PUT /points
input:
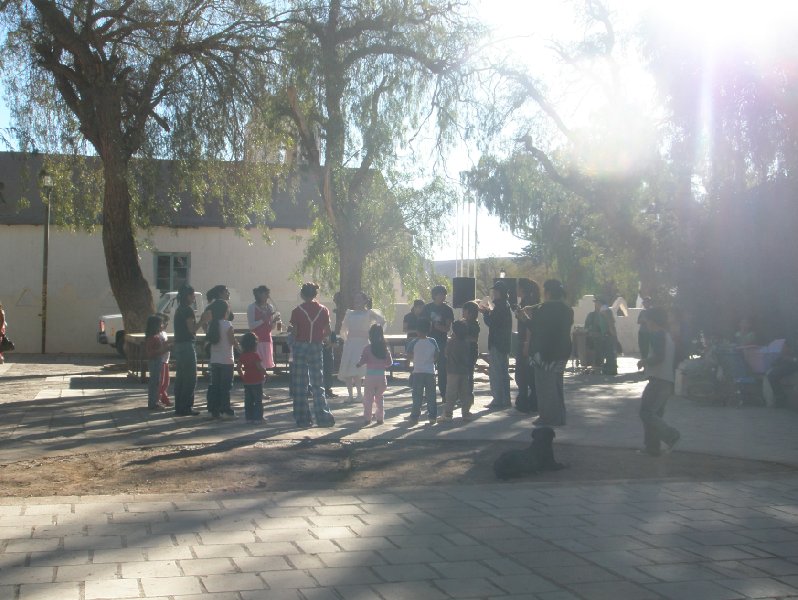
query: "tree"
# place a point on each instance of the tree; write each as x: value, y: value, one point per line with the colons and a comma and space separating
x: 362, y: 79
x: 136, y: 81
x: 576, y: 173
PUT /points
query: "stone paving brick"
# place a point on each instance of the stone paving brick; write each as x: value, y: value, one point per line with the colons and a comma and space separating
x: 357, y: 592
x: 759, y: 587
x: 150, y: 507
x: 269, y: 595
x: 473, y: 552
x: 256, y: 564
x: 405, y: 572
x: 506, y: 566
x: 169, y: 552
x: 283, y: 535
x: 59, y: 557
x: 467, y: 588
x: 333, y: 533
x: 151, y: 568
x: 335, y: 521
x: 522, y: 584
x: 319, y: 594
x: 773, y: 566
x: 92, y: 542
x: 111, y: 588
x: 734, y: 569
x: 231, y: 582
x: 315, y: 546
x: 680, y: 572
x: 170, y: 586
x: 33, y: 545
x: 261, y: 549
x: 402, y: 556
x: 47, y: 509
x: 305, y: 561
x: 557, y: 558
x: 409, y: 590
x: 461, y: 570
x: 29, y: 575
x: 705, y: 590
x: 227, y: 537
x: 339, y: 509
x: 350, y: 559
x: 288, y: 579
x: 366, y: 543
x: 614, y: 590
x: 40, y: 591
x: 207, y: 566
x: 86, y: 572
x: 576, y: 574
x: 331, y: 577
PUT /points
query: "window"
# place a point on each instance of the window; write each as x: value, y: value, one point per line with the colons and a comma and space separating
x: 172, y: 270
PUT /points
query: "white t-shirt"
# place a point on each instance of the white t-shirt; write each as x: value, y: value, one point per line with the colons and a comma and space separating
x: 222, y: 351
x: 423, y: 350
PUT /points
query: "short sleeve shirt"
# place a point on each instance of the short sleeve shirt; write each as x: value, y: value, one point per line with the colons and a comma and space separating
x: 439, y: 313
x: 249, y: 365
x: 423, y: 350
x: 182, y: 332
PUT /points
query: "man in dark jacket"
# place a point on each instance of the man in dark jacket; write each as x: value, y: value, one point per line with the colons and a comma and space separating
x: 499, y: 320
x: 527, y: 399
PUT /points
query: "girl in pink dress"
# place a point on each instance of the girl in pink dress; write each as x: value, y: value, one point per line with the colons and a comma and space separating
x: 261, y: 319
x: 376, y: 358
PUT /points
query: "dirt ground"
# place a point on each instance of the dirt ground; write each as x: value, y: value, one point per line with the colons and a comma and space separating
x: 343, y: 465
x: 282, y: 466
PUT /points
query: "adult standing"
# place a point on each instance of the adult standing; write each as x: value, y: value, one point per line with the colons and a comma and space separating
x: 527, y: 399
x: 550, y: 348
x: 499, y: 320
x: 261, y: 319
x: 610, y: 341
x: 310, y: 324
x: 186, y: 326
x: 355, y: 331
x: 441, y: 317
x: 643, y: 335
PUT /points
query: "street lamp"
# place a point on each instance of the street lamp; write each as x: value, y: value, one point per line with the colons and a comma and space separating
x: 46, y: 186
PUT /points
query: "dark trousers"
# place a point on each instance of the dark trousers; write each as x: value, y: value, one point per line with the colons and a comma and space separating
x: 219, y: 389
x: 424, y: 389
x: 185, y: 376
x: 327, y: 365
x: 644, y: 343
x: 652, y: 410
x: 441, y: 366
x: 527, y: 400
x: 253, y: 401
x: 610, y: 356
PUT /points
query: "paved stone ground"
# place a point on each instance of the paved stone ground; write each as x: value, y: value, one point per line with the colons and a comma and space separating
x: 625, y: 540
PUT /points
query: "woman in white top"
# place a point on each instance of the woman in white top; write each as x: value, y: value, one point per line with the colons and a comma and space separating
x: 221, y: 337
x: 355, y: 331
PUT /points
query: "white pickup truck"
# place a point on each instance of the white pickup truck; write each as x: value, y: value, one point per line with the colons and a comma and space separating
x: 112, y: 330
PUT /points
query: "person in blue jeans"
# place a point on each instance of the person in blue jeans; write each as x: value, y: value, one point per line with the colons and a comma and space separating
x: 423, y: 351
x: 186, y: 326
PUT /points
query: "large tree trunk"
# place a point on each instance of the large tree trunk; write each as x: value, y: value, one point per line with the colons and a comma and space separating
x: 128, y: 285
x: 350, y: 276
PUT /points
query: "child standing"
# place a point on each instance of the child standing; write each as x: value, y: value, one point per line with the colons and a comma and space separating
x: 253, y: 373
x: 156, y: 348
x: 222, y: 341
x: 376, y: 357
x: 423, y: 351
x: 460, y: 366
x: 660, y: 370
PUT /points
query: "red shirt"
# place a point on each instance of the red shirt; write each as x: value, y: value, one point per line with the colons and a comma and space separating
x: 249, y: 362
x: 310, y: 317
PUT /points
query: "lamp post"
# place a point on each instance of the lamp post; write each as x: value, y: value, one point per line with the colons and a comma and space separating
x: 46, y: 186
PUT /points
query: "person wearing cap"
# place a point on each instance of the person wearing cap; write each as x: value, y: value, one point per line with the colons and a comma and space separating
x: 499, y: 320
x: 441, y: 317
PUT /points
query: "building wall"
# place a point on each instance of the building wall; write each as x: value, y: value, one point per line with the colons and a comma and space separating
x: 78, y: 288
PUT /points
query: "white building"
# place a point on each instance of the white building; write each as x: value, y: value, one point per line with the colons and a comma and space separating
x: 199, y: 249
